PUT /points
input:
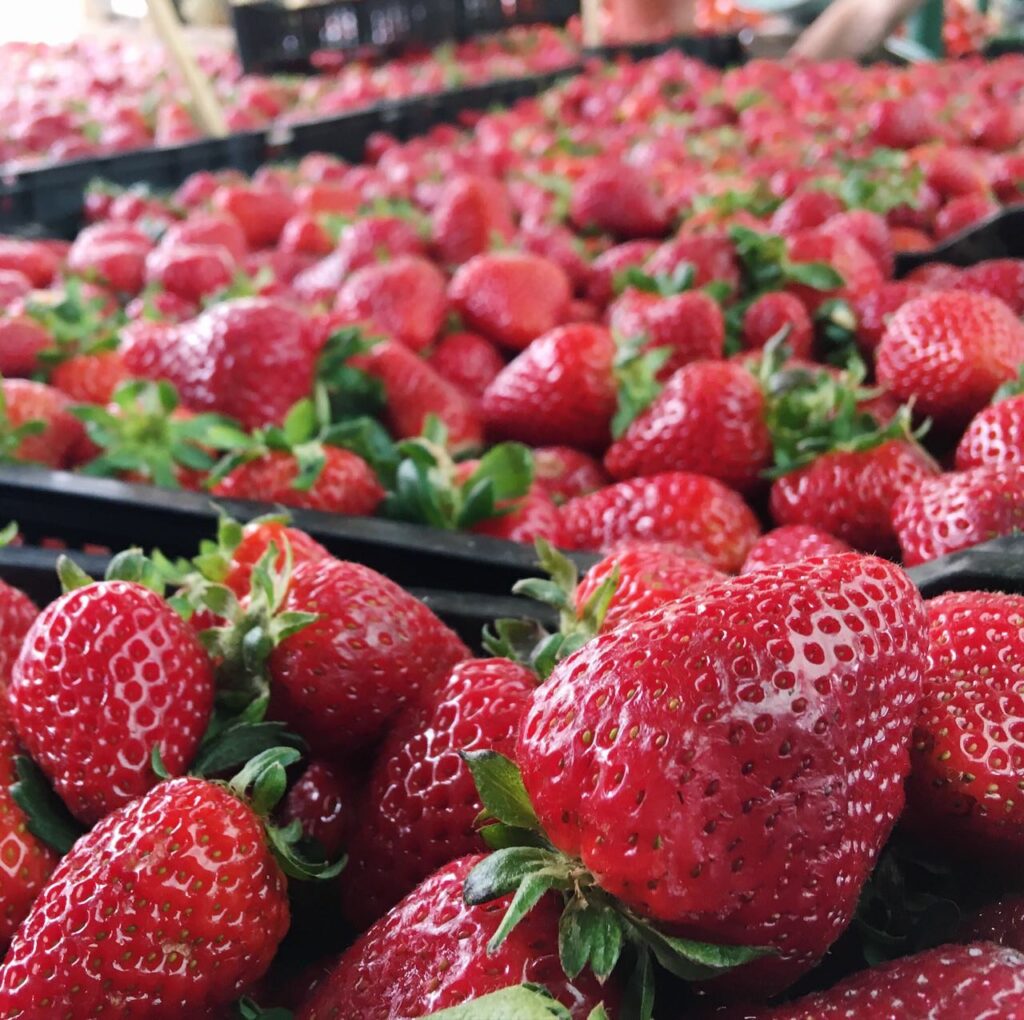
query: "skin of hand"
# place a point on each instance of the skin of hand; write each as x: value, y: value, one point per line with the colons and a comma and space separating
x: 851, y: 28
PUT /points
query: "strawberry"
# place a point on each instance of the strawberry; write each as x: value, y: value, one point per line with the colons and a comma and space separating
x: 611, y: 264
x: 949, y: 351
x: 938, y: 516
x: 1001, y: 922
x: 936, y: 276
x: 510, y: 297
x: 712, y: 256
x: 415, y: 391
x: 403, y: 298
x: 909, y: 239
x: 952, y: 172
x: 28, y: 861
x: 962, y: 212
x: 975, y: 980
x: 618, y: 199
x: 688, y: 325
x: 420, y: 803
x: 430, y: 952
x: 559, y: 391
x: 791, y: 543
x: 875, y: 308
x: 850, y: 493
x: 191, y: 271
x: 261, y: 212
x: 36, y: 424
x: 13, y: 285
x: 856, y: 268
x: 1002, y: 278
x: 111, y: 254
x: 206, y: 230
x: 467, y: 361
x: 305, y: 234
x: 241, y: 549
x: 90, y: 378
x: 248, y: 358
x: 709, y: 419
x: 804, y: 210
x: 679, y: 721
x: 322, y: 801
x: 870, y: 231
x: 775, y: 311
x: 534, y: 516
x: 373, y: 648
x: 32, y: 258
x: 564, y: 472
x: 470, y: 215
x: 22, y: 340
x: 172, y: 906
x: 107, y: 673
x: 902, y: 123
x: 647, y: 575
x: 698, y: 513
x: 995, y: 435
x: 965, y: 764
x: 561, y: 246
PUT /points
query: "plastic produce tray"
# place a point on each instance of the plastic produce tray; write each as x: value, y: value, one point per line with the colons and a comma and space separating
x: 716, y: 50
x: 1000, y: 236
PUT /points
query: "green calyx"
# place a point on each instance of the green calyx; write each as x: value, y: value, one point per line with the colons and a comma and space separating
x: 523, y: 1002
x: 249, y: 1010
x: 529, y: 642
x: 141, y: 435
x: 636, y: 371
x: 663, y: 285
x: 595, y: 928
x: 766, y: 265
x: 351, y: 391
x: 810, y: 411
x: 261, y: 783
x: 128, y: 565
x: 424, y: 485
x: 46, y: 815
x: 1014, y: 388
x: 78, y: 325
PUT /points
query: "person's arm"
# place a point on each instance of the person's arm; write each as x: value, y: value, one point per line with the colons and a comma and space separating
x: 852, y: 28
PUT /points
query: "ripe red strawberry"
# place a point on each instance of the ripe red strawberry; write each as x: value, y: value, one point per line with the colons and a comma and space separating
x: 245, y: 550
x: 856, y: 267
x: 1002, y: 278
x: 111, y: 254
x: 535, y: 516
x: 949, y: 351
x: 804, y: 210
x: 611, y: 264
x: 14, y: 285
x: 870, y: 231
x: 404, y: 298
x: 791, y: 543
x: 27, y: 860
x: 21, y: 341
x: 713, y: 257
x: 565, y: 472
x: 952, y: 172
x: 108, y: 672
x: 36, y: 424
x: 966, y: 764
x: 430, y: 952
x: 649, y: 575
x: 1001, y: 922
x: 323, y: 802
x: 511, y: 297
x: 248, y: 358
x: 261, y: 212
x: 874, y: 308
x: 208, y: 229
x: 995, y: 436
x: 172, y: 906
x: 618, y: 199
x: 962, y: 212
x: 467, y: 361
x: 373, y: 648
x: 559, y: 391
x: 414, y: 391
x: 698, y: 513
x: 901, y: 123
x: 910, y: 239
x: 32, y: 258
x: 696, y: 828
x: 559, y: 244
x: 850, y: 493
x: 689, y: 325
x: 190, y: 271
x: 936, y: 276
x: 421, y: 804
x: 772, y: 312
x: 17, y: 614
x: 471, y: 213
x: 345, y: 483
x: 709, y: 420
x: 90, y: 378
x: 305, y: 234
x: 937, y: 516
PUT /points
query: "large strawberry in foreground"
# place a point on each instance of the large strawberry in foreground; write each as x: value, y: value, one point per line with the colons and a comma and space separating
x: 718, y: 764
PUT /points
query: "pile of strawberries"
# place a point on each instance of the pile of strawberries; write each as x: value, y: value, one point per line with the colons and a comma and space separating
x: 267, y: 780
x: 556, y: 326
x: 105, y: 95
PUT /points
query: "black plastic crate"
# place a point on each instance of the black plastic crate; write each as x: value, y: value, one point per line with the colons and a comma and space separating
x: 999, y: 236
x: 97, y: 511
x: 272, y: 37
x: 714, y: 50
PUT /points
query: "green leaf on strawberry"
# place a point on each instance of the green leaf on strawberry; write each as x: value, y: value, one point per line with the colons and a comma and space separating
x: 1014, y: 388
x: 636, y: 376
x: 524, y: 1002
x: 46, y: 814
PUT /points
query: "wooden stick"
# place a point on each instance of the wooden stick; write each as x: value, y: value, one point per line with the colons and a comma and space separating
x: 208, y: 109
